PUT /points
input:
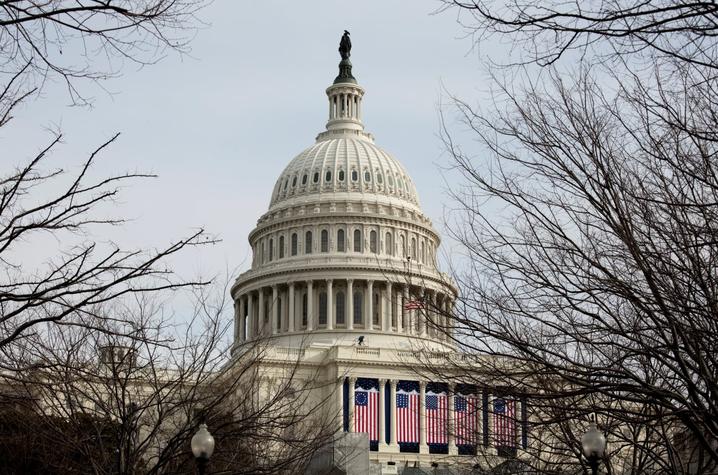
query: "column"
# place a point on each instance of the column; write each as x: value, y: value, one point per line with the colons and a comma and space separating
x: 392, y: 405
x: 352, y: 400
x: 397, y: 310
x: 436, y: 328
x: 423, y: 447
x: 276, y: 322
x: 260, y: 315
x: 423, y: 313
x: 310, y: 305
x: 407, y: 323
x: 330, y: 305
x: 350, y: 304
x: 250, y: 316
x: 452, y: 422
x: 242, y: 313
x: 382, y: 412
x: 290, y: 307
x: 385, y: 318
x: 370, y: 306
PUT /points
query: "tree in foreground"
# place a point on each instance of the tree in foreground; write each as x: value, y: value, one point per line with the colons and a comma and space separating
x: 588, y: 221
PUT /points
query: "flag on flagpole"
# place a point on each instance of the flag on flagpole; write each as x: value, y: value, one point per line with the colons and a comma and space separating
x: 366, y: 412
x: 407, y: 412
x: 466, y: 407
x: 505, y: 422
x: 414, y: 304
x: 437, y: 417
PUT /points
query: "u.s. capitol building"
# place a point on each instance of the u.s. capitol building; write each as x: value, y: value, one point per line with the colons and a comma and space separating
x: 344, y: 279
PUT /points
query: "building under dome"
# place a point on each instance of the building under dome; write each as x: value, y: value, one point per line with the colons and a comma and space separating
x: 344, y: 277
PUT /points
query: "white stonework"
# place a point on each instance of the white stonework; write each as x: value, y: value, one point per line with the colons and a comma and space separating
x: 342, y: 248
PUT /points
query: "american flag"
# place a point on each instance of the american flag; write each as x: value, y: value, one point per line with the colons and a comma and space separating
x: 466, y: 419
x: 415, y: 304
x: 366, y: 412
x: 505, y: 422
x: 407, y: 415
x: 437, y: 417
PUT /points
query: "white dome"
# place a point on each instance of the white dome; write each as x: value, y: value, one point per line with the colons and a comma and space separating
x: 350, y: 166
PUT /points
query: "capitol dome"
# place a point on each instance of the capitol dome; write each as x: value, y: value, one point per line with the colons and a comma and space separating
x: 344, y: 250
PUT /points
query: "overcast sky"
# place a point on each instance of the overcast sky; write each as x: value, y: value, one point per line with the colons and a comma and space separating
x: 218, y: 127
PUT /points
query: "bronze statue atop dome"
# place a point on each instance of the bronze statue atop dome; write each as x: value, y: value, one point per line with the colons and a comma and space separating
x: 345, y: 46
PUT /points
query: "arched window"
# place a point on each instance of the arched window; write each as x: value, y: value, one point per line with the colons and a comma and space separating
x: 316, y: 177
x: 271, y: 250
x: 328, y: 176
x: 413, y: 249
x: 304, y: 309
x: 402, y: 245
x: 355, y: 175
x: 423, y: 252
x: 379, y: 178
x: 357, y: 240
x: 308, y: 243
x: 387, y: 245
x: 294, y: 244
x: 281, y: 247
x: 341, y: 247
x: 358, y: 304
x: 322, y: 308
x: 294, y: 181
x: 286, y: 182
x: 261, y: 253
x: 324, y: 237
x: 339, y: 312
x: 372, y: 241
x: 341, y: 175
x: 367, y: 176
x: 304, y: 179
x: 390, y: 180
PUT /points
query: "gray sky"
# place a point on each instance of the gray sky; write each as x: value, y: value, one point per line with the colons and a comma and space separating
x: 219, y: 127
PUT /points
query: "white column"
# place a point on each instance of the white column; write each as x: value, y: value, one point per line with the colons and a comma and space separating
x: 250, y: 316
x: 352, y: 387
x: 330, y: 305
x: 290, y: 307
x: 423, y: 447
x: 242, y: 313
x: 260, y: 314
x: 382, y: 412
x: 385, y: 317
x: 310, y: 305
x: 350, y: 304
x: 452, y: 422
x: 423, y: 314
x: 370, y: 306
x: 407, y: 323
x: 398, y: 309
x: 275, y: 322
x: 392, y: 405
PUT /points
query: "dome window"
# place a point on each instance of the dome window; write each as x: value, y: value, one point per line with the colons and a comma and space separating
x: 339, y: 312
x: 355, y: 175
x: 341, y: 175
x: 379, y: 178
x: 372, y: 242
x: 341, y: 247
x: 367, y: 176
x: 286, y: 182
x: 322, y: 308
x: 271, y: 250
x: 328, y: 176
x: 316, y: 177
x: 387, y: 245
x: 358, y: 299
x: 390, y: 180
x: 304, y: 179
x: 294, y: 244
x: 357, y: 240
x: 308, y: 243
x: 324, y: 240
x: 281, y: 247
x: 294, y: 181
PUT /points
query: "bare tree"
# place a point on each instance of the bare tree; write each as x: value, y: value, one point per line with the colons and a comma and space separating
x: 130, y: 404
x: 588, y: 222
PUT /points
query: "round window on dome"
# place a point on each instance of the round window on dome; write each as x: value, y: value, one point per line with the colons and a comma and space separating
x: 367, y: 176
x: 355, y: 175
x: 328, y: 176
x: 340, y: 175
x: 316, y: 177
x: 304, y: 179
